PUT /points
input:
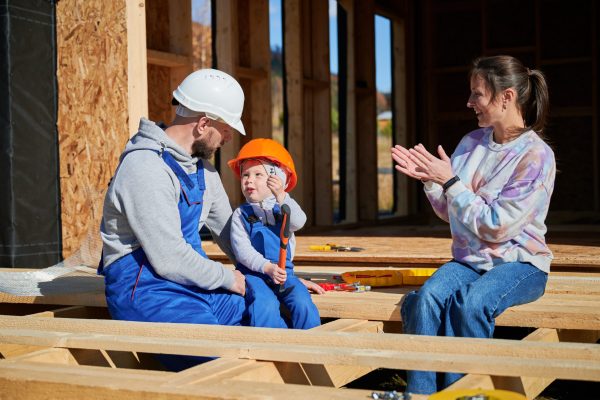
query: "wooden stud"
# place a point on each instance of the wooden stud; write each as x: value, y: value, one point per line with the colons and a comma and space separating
x: 321, y: 112
x: 352, y: 140
x: 137, y: 77
x: 401, y: 133
x: 365, y: 102
x: 227, y: 61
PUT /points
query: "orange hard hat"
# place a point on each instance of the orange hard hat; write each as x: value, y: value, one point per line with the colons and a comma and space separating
x: 270, y: 150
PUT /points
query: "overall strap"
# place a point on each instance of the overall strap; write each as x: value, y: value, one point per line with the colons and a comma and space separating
x: 182, y: 175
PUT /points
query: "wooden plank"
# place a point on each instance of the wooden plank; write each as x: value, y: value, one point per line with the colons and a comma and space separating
x: 259, y: 110
x: 227, y: 50
x: 137, y: 78
x: 252, y: 73
x: 490, y: 356
x: 364, y: 25
x: 544, y: 313
x: 401, y: 133
x: 223, y: 369
x: 166, y: 59
x: 294, y: 75
x: 180, y: 41
x: 418, y: 250
x: 35, y: 381
x: 352, y: 142
x: 529, y: 387
x: 321, y: 112
x: 339, y: 375
x: 569, y: 302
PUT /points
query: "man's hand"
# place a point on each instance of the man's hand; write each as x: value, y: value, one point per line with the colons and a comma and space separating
x: 276, y: 274
x: 276, y: 185
x: 239, y: 285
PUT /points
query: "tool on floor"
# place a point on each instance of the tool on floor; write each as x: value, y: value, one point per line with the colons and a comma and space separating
x: 344, y: 287
x: 284, y: 237
x: 389, y: 277
x: 393, y: 395
x: 476, y: 394
x: 334, y: 247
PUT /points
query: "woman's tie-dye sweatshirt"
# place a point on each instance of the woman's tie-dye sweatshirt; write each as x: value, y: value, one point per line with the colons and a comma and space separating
x: 497, y: 210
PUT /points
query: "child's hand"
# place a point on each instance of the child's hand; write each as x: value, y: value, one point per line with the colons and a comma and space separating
x: 277, y: 274
x: 276, y: 185
x: 312, y: 287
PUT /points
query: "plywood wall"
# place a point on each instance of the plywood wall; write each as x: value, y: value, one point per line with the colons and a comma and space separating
x: 92, y: 108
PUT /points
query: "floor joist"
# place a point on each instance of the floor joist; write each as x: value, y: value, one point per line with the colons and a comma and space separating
x: 483, y: 356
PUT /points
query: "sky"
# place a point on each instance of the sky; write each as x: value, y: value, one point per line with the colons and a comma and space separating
x: 383, y: 61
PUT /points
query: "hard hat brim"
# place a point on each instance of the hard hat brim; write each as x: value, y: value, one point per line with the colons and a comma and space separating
x: 238, y: 126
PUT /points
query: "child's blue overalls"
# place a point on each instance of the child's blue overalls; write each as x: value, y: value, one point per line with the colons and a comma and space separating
x: 262, y: 295
x: 134, y: 291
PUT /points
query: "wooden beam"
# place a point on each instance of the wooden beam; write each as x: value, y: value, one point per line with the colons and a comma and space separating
x: 137, y: 74
x: 227, y: 50
x: 166, y: 59
x: 180, y: 41
x: 223, y: 369
x: 400, y: 104
x: 321, y: 112
x: 252, y: 73
x: 364, y: 23
x: 306, y: 374
x: 294, y: 77
x: 352, y: 141
x: 339, y: 375
x: 489, y: 356
x: 259, y: 49
x: 31, y: 381
x: 529, y: 387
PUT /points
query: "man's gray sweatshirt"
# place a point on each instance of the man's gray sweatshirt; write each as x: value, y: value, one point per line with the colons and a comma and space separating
x: 140, y: 210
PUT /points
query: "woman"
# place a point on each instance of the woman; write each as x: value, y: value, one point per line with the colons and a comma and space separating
x: 495, y: 192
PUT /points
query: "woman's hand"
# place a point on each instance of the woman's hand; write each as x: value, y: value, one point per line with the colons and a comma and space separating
x: 404, y: 162
x: 277, y: 275
x: 428, y: 167
x: 276, y: 185
x: 313, y: 287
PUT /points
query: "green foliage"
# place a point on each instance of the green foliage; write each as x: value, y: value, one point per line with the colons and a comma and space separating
x: 386, y: 130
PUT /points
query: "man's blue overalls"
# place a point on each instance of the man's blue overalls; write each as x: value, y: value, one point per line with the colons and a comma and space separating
x: 263, y: 298
x: 134, y: 291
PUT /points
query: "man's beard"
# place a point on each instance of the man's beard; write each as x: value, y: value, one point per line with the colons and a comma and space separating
x: 202, y: 150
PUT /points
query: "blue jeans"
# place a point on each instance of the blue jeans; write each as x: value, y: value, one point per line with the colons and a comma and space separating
x: 460, y: 301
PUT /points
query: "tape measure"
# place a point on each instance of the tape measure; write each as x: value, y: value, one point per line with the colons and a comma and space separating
x: 387, y: 277
x: 477, y: 394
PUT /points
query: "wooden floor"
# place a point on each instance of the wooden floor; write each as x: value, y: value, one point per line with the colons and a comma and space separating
x: 65, y: 343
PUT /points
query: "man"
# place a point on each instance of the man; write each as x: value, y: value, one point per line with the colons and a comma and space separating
x: 162, y: 193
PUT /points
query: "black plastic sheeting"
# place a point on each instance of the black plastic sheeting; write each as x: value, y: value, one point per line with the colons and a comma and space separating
x: 30, y: 229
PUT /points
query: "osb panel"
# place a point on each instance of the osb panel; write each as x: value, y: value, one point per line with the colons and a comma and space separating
x: 159, y: 94
x: 92, y: 109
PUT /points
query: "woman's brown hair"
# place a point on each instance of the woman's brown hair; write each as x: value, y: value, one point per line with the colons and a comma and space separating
x: 503, y: 72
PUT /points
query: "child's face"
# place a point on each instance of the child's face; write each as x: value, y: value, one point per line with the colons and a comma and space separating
x: 254, y: 181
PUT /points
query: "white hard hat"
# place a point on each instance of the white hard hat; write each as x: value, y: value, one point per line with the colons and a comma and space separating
x: 215, y: 93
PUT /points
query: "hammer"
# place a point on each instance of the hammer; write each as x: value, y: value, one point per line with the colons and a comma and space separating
x: 284, y: 237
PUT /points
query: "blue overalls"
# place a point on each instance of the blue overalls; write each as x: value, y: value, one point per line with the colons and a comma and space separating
x: 262, y: 295
x: 134, y: 292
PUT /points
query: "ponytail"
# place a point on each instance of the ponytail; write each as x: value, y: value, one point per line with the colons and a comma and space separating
x: 535, y: 111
